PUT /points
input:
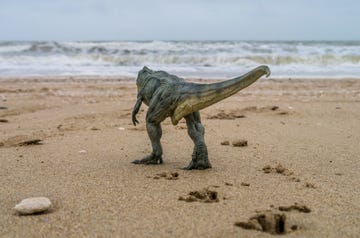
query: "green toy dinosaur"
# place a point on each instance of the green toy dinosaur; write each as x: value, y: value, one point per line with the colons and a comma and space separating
x: 170, y: 96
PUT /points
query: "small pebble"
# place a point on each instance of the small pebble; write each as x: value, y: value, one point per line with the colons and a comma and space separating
x: 33, y: 205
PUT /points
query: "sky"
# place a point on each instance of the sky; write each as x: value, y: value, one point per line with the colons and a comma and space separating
x: 65, y: 20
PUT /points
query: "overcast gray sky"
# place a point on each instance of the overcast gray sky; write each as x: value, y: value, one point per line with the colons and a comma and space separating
x: 180, y: 20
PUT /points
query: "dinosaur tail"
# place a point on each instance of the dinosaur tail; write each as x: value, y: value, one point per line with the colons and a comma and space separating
x: 195, y: 97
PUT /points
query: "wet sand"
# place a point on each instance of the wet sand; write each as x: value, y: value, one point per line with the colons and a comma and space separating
x: 303, y: 147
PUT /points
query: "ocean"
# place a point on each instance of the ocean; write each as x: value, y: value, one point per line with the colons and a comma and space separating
x: 197, y: 59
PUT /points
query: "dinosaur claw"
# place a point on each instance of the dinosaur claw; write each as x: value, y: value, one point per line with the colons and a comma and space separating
x: 200, y: 165
x: 151, y: 159
x: 135, y: 121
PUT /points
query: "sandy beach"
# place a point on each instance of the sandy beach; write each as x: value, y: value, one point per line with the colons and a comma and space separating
x: 303, y: 148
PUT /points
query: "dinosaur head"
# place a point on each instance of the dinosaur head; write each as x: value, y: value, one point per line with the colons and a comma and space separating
x: 143, y: 76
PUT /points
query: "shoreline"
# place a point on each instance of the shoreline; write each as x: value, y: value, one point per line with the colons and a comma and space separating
x: 129, y: 80
x: 118, y: 78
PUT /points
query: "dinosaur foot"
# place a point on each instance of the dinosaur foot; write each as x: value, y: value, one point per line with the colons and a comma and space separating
x: 199, y: 164
x: 150, y: 159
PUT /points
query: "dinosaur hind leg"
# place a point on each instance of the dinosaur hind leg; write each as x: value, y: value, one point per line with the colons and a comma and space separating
x: 154, y: 131
x: 157, y: 112
x: 196, y: 132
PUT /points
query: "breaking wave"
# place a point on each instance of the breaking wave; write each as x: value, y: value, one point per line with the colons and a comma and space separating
x: 186, y: 58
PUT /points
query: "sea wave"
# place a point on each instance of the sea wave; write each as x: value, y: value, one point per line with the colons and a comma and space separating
x: 186, y: 58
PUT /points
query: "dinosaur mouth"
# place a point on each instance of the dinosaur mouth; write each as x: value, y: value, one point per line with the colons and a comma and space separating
x: 195, y: 97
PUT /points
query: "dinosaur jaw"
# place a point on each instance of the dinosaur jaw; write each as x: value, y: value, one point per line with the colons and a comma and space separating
x: 199, y: 96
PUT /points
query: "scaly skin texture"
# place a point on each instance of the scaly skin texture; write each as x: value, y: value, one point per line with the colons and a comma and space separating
x: 170, y: 96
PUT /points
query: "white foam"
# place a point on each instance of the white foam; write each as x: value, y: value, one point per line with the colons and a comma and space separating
x: 193, y: 58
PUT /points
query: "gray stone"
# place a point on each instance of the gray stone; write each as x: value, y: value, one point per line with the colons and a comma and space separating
x: 33, y: 205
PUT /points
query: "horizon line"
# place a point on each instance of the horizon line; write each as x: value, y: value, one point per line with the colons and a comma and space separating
x: 182, y: 40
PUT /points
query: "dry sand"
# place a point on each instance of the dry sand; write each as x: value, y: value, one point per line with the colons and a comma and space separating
x: 304, y: 133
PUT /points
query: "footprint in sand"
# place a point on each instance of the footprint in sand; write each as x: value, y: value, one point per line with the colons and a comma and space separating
x: 296, y: 207
x: 21, y: 141
x: 273, y: 222
x: 234, y: 114
x: 204, y: 195
x: 166, y: 175
x: 269, y: 222
x: 226, y: 116
x: 236, y: 143
x: 280, y: 169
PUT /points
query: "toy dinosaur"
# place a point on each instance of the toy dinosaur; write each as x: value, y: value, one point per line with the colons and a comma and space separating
x: 167, y: 95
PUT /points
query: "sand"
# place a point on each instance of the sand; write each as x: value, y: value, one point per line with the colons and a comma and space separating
x: 303, y: 148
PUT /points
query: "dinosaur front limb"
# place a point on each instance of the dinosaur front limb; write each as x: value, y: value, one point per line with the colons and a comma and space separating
x: 136, y: 110
x: 154, y: 131
x: 196, y: 132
